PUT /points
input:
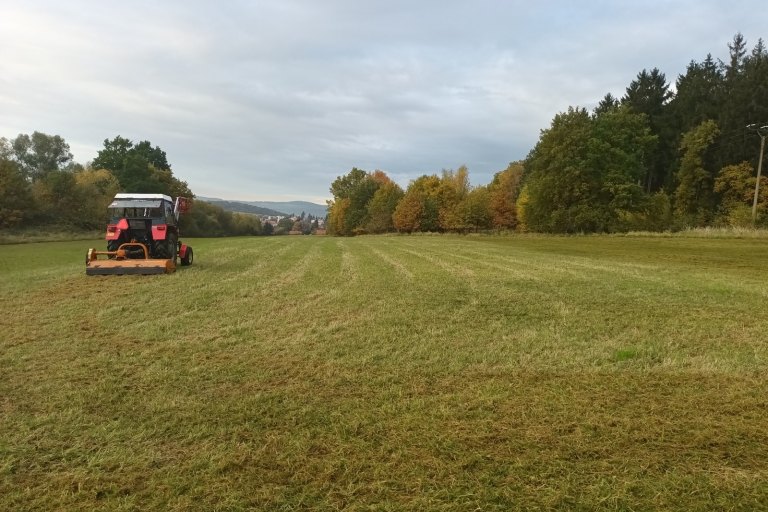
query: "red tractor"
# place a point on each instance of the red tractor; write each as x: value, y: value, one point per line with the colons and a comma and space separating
x: 142, y: 237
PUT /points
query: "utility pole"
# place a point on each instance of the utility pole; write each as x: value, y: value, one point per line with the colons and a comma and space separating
x: 762, y: 131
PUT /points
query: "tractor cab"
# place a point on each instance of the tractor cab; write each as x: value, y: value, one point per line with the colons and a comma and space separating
x: 149, y: 219
x: 159, y: 210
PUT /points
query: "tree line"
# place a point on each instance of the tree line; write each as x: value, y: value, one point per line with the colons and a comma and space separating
x: 41, y: 186
x: 658, y: 158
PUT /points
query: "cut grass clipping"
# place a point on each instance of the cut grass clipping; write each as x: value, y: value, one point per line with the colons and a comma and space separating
x: 389, y: 373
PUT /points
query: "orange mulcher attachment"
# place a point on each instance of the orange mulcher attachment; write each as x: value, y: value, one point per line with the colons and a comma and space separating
x: 118, y: 262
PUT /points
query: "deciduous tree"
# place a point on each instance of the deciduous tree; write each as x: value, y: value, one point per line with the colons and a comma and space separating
x: 96, y: 188
x: 419, y: 208
x: 16, y: 203
x: 452, y: 190
x: 474, y: 210
x: 694, y: 200
x: 503, y: 192
x: 141, y: 168
x: 736, y: 186
x: 382, y: 206
x: 356, y: 187
x: 584, y: 172
x: 408, y: 213
x: 40, y: 153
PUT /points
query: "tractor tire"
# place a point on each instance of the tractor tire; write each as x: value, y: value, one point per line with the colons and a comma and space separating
x: 168, y: 248
x: 173, y: 248
x: 186, y: 260
x: 112, y: 245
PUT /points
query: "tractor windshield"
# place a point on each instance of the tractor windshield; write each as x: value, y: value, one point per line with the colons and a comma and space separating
x: 137, y: 209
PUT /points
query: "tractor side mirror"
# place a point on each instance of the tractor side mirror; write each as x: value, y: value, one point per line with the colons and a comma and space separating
x: 182, y: 205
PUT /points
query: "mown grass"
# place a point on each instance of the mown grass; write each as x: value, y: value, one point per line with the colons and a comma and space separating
x: 389, y: 373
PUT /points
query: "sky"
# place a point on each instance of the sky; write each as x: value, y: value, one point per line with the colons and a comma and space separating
x: 272, y: 100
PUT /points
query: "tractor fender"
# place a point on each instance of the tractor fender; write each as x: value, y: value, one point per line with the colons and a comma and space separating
x: 159, y: 232
x: 115, y: 230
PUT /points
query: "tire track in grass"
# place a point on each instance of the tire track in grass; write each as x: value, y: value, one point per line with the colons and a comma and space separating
x: 400, y: 269
x: 462, y: 277
x: 531, y: 260
x: 570, y: 266
x: 214, y: 289
x: 349, y: 266
x: 432, y: 257
x: 296, y: 272
x: 590, y: 269
x: 259, y: 260
x: 481, y: 260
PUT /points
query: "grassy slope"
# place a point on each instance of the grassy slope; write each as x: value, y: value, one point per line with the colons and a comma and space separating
x: 395, y: 373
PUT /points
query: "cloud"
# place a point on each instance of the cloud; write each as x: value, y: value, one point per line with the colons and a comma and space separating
x: 274, y: 99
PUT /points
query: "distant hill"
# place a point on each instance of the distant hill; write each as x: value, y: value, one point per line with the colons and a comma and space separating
x: 270, y: 207
x: 294, y: 207
x: 237, y: 206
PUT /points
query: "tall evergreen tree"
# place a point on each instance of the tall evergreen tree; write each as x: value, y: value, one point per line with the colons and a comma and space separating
x: 649, y: 94
x: 609, y: 103
x: 737, y: 50
x: 700, y: 94
x: 746, y: 101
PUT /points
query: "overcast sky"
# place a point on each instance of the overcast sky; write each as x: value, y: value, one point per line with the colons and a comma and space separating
x: 272, y: 100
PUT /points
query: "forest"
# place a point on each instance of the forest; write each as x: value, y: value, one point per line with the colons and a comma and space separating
x: 659, y: 158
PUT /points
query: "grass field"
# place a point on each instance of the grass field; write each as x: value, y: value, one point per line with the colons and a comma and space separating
x: 389, y: 373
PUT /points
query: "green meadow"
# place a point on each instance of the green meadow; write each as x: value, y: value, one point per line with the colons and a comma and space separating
x: 389, y: 373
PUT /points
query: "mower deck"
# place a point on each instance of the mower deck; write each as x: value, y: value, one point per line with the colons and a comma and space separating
x: 129, y: 267
x: 119, y: 264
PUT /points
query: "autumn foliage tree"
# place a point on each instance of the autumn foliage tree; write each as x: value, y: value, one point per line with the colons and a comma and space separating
x: 503, y: 192
x: 348, y: 210
x: 420, y: 207
x: 736, y: 186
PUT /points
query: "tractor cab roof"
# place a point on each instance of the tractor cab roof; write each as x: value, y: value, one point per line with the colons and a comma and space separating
x: 136, y: 203
x: 124, y: 195
x: 139, y: 200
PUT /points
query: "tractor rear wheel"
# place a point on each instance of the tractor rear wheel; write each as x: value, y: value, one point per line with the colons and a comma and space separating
x: 186, y: 260
x: 166, y: 249
x: 172, y: 248
x: 113, y: 245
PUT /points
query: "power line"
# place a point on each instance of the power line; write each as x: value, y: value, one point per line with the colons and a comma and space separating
x: 762, y: 131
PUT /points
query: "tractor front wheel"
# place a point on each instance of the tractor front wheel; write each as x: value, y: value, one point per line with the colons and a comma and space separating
x: 186, y: 260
